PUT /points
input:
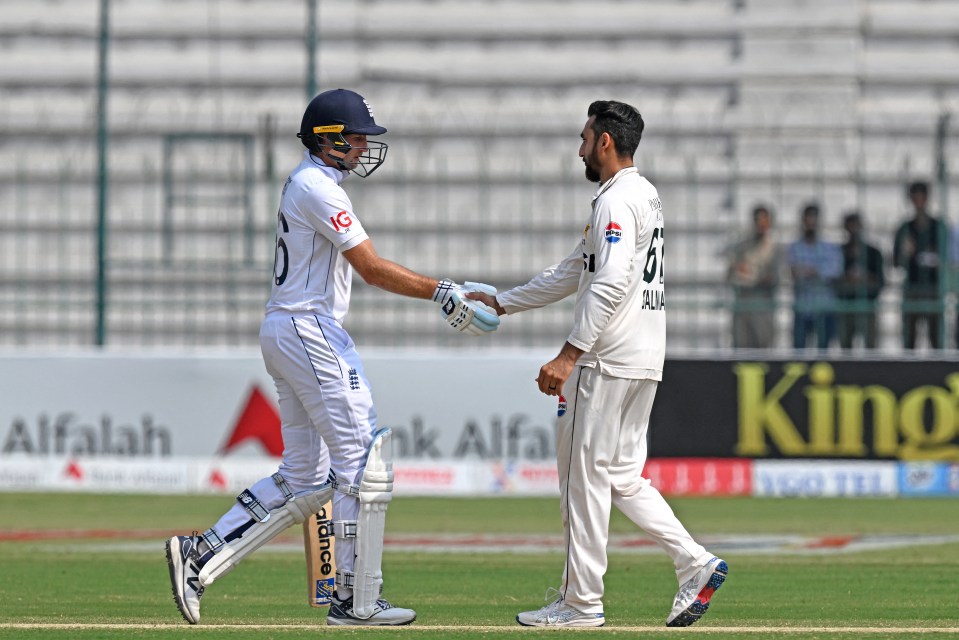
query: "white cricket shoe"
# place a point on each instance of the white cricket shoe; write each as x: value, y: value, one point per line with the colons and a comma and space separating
x: 694, y: 595
x: 559, y: 614
x: 386, y: 615
x: 184, y: 561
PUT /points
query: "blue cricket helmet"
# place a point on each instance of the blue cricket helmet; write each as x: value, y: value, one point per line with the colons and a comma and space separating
x: 340, y: 107
x: 334, y: 114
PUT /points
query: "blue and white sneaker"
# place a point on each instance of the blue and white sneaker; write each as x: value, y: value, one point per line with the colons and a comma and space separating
x: 386, y: 615
x: 559, y: 614
x: 183, y: 558
x: 692, y: 599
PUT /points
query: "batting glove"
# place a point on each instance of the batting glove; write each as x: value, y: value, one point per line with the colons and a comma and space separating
x: 463, y: 314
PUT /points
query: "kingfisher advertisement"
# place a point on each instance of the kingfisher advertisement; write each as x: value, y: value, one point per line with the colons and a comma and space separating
x: 863, y: 410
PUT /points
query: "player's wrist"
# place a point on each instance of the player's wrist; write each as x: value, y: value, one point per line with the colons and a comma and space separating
x: 444, y: 291
x: 570, y: 353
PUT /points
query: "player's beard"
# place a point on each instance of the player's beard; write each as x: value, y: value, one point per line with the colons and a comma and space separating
x: 592, y: 173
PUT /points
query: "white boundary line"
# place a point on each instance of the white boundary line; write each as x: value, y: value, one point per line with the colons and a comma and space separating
x: 483, y: 628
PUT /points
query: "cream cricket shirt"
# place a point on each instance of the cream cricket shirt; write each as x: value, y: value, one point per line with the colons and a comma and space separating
x: 617, y: 274
x: 315, y: 224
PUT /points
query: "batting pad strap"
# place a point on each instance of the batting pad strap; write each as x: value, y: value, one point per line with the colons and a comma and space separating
x: 345, y: 579
x: 344, y: 528
x: 282, y: 486
x: 213, y: 539
x: 351, y: 490
x: 252, y: 504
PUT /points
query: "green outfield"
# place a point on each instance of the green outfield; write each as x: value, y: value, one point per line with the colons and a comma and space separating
x: 58, y: 582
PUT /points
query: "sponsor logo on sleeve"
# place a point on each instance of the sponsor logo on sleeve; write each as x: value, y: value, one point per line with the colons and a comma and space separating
x: 341, y: 221
x: 613, y: 233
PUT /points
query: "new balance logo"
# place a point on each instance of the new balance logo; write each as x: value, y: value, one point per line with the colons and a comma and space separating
x: 194, y: 581
x: 189, y: 554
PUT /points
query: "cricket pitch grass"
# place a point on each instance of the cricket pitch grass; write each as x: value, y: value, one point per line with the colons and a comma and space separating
x: 93, y: 566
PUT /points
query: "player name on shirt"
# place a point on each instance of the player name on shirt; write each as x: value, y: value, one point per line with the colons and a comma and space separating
x: 654, y: 300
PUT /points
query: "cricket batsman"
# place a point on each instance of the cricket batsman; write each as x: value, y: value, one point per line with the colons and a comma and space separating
x: 324, y: 395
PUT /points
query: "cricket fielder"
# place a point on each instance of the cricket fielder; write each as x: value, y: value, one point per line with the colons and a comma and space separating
x: 607, y: 373
x: 324, y: 395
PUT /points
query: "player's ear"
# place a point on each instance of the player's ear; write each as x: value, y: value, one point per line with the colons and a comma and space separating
x: 606, y: 142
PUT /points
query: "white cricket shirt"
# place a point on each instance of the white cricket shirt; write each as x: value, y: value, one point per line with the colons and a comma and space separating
x: 315, y: 224
x: 616, y: 272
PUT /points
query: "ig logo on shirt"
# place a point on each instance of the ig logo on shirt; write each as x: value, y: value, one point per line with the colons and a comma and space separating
x: 341, y: 221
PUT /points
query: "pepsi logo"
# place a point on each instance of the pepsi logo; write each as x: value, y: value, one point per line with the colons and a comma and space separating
x: 561, y: 407
x: 613, y: 233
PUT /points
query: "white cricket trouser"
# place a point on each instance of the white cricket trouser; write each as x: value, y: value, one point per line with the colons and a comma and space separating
x: 324, y: 398
x: 601, y: 452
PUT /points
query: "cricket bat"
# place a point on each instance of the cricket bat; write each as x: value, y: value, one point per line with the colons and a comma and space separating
x: 320, y: 563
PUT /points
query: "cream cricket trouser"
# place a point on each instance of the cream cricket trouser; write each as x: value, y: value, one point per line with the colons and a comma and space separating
x: 601, y: 452
x: 324, y: 398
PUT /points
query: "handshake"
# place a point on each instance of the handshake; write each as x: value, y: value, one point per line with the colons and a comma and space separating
x: 462, y: 313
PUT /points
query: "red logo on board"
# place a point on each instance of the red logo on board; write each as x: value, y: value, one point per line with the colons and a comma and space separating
x: 74, y: 471
x: 217, y: 480
x: 259, y: 421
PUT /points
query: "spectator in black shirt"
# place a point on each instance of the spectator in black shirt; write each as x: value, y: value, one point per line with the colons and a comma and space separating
x: 920, y: 249
x: 859, y: 287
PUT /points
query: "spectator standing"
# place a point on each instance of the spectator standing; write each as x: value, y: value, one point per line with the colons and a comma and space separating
x: 815, y: 266
x: 753, y: 273
x: 862, y: 281
x: 919, y: 249
x: 953, y: 273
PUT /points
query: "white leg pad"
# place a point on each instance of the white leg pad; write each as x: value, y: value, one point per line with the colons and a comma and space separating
x: 294, y: 511
x: 376, y: 491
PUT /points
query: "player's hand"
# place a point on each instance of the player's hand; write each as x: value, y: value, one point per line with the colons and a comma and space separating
x: 463, y: 314
x: 554, y: 374
x: 487, y: 299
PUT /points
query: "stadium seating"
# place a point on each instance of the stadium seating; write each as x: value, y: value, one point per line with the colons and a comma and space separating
x: 780, y: 101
